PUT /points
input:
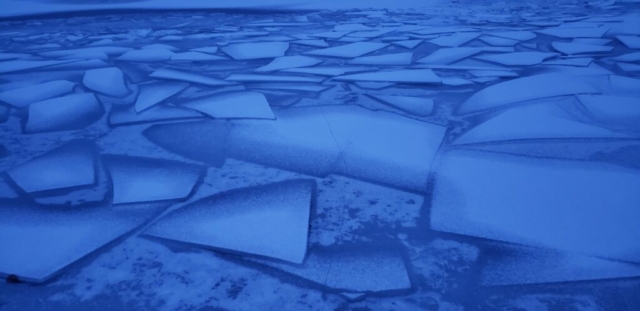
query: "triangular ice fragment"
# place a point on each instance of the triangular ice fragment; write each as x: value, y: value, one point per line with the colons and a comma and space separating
x: 287, y: 62
x: 233, y: 105
x: 409, y: 44
x: 71, y: 112
x: 155, y: 93
x: 108, y: 81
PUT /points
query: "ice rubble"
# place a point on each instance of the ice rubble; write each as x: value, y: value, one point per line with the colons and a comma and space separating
x: 108, y: 81
x: 70, y: 112
x: 246, y: 51
x: 233, y: 105
x: 270, y: 220
x: 23, y: 97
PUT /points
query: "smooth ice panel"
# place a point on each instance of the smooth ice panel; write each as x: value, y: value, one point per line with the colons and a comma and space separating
x: 25, y: 96
x: 351, y: 50
x: 245, y: 51
x: 233, y: 105
x: 70, y: 112
x: 108, y: 81
x: 270, y: 220
x: 155, y: 93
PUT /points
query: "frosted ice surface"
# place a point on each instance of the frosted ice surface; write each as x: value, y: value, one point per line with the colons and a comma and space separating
x: 518, y: 35
x: 397, y: 59
x: 632, y: 42
x: 171, y: 74
x: 448, y: 55
x: 497, y: 41
x: 287, y: 62
x: 574, y: 61
x: 245, y: 51
x: 123, y: 115
x: 583, y: 207
x: 579, y: 48
x: 524, y: 265
x: 415, y: 105
x: 614, y: 111
x: 270, y: 220
x: 417, y: 76
x: 19, y: 65
x: 108, y: 81
x: 524, y: 89
x: 70, y: 112
x: 160, y: 46
x: 195, y: 57
x: 233, y: 105
x: 517, y: 58
x: 137, y: 179
x: 58, y: 238
x: 532, y: 122
x: 351, y: 50
x: 409, y: 44
x: 155, y: 93
x: 70, y: 165
x: 309, y: 42
x: 25, y: 96
x: 206, y: 49
x: 329, y: 70
x: 454, y: 40
x: 629, y: 57
x: 568, y: 32
x: 247, y: 77
x: 147, y: 55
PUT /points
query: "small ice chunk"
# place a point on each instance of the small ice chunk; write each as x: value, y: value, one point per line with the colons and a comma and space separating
x: 351, y: 50
x: 409, y: 44
x: 416, y: 76
x: 454, y: 40
x: 247, y: 77
x: 629, y: 57
x: 171, y: 74
x: 448, y: 55
x: 123, y: 115
x: 517, y: 58
x: 68, y: 166
x: 329, y: 70
x: 632, y: 42
x: 569, y: 32
x: 518, y: 35
x: 416, y: 105
x: 270, y: 220
x: 155, y: 93
x: 25, y: 96
x: 19, y: 65
x: 245, y: 51
x: 195, y: 57
x: 497, y: 41
x: 308, y: 42
x: 137, y: 179
x: 108, y: 81
x: 147, y: 55
x: 397, y: 59
x: 70, y: 112
x: 206, y: 49
x: 579, y: 48
x: 613, y: 111
x: 233, y: 105
x: 286, y: 62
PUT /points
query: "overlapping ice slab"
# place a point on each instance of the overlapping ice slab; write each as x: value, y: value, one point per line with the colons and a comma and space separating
x: 519, y: 35
x: 23, y: 97
x: 137, y: 179
x: 68, y: 166
x: 409, y: 44
x: 195, y: 57
x: 329, y: 70
x: 632, y: 42
x: 448, y: 55
x: 246, y: 51
x: 613, y: 111
x: 233, y: 105
x: 571, y: 48
x: 410, y: 76
x: 350, y: 50
x: 287, y: 62
x: 525, y: 89
x: 248, y: 77
x: 154, y: 93
x: 40, y: 243
x: 588, y: 208
x: 108, y: 81
x: 123, y: 115
x: 147, y: 55
x: 270, y: 220
x: 176, y: 75
x: 416, y: 105
x: 109, y: 50
x: 70, y: 112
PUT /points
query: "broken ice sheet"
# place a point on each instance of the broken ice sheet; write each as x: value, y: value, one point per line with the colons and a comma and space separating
x: 123, y: 115
x: 524, y: 89
x: 70, y: 165
x: 206, y: 49
x: 613, y: 111
x: 570, y: 48
x: 454, y: 40
x: 287, y: 62
x: 108, y: 81
x: 351, y: 50
x: 70, y: 112
x: 397, y: 59
x: 233, y: 105
x: 155, y: 93
x: 416, y: 105
x: 137, y: 179
x: 311, y: 88
x: 446, y: 56
x: 270, y: 220
x: 628, y: 67
x: 517, y: 58
x: 574, y: 61
x: 629, y: 57
x: 195, y: 57
x: 416, y: 76
x: 59, y: 238
x: 8, y: 56
x: 109, y: 50
x: 172, y: 74
x: 23, y: 97
x: 245, y: 51
x: 573, y: 206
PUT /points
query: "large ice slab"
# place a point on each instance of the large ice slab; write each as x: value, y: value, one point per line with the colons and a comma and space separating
x: 147, y: 55
x: 270, y: 220
x: 310, y: 42
x: 137, y: 179
x: 108, y: 81
x: 416, y: 105
x: 632, y: 42
x: 397, y: 59
x: 582, y: 207
x: 570, y: 32
x: 571, y: 48
x: 70, y: 112
x: 172, y: 74
x: 70, y: 165
x: 497, y: 41
x: 245, y: 51
x: 620, y: 112
x: 155, y: 93
x: 524, y: 89
x: 415, y: 76
x: 233, y: 105
x: 287, y: 62
x: 517, y: 58
x: 109, y: 50
x: 124, y: 115
x: 409, y: 44
x: 23, y: 97
x: 454, y: 40
x: 351, y: 50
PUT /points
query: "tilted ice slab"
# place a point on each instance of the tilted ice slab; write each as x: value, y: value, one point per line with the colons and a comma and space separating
x: 19, y: 65
x: 245, y: 51
x: 155, y: 93
x: 137, y: 179
x: 351, y: 50
x: 518, y: 35
x: 147, y: 55
x: 195, y: 57
x: 593, y: 41
x: 629, y: 67
x: 416, y: 105
x: 448, y: 55
x: 329, y: 70
x: 613, y: 111
x: 308, y: 42
x: 160, y: 46
x: 171, y: 74
x: 59, y: 238
x: 568, y: 32
x: 517, y: 58
x: 574, y: 206
x: 493, y: 73
x: 79, y: 65
x: 629, y: 57
x: 270, y: 220
x: 632, y: 42
x: 25, y: 96
x: 353, y: 269
x: 416, y: 76
x: 206, y: 49
x: 124, y: 115
x: 579, y: 48
x: 397, y: 59
x: 331, y: 34
x: 524, y: 89
x: 534, y: 122
x: 108, y: 81
x: 247, y: 77
x: 70, y: 112
x: 454, y: 40
x: 70, y: 165
x: 233, y: 105
x: 8, y: 56
x: 513, y: 264
x: 574, y: 61
x: 497, y: 41
x: 409, y: 44
x: 287, y: 62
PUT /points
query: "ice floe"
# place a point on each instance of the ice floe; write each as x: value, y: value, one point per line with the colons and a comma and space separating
x: 195, y: 57
x: 409, y: 44
x: 19, y: 65
x: 247, y: 77
x: 23, y: 97
x: 108, y: 81
x: 629, y: 57
x: 287, y: 62
x: 124, y: 115
x: 518, y: 35
x: 206, y: 49
x: 233, y: 105
x: 351, y: 50
x: 245, y: 51
x: 310, y: 42
x: 618, y: 112
x: 497, y: 41
x: 154, y: 93
x: 329, y: 70
x: 70, y: 112
x: 570, y: 32
x: 632, y: 42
